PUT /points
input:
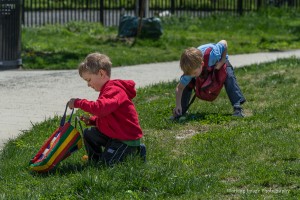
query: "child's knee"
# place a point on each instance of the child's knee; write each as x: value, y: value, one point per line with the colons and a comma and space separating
x: 230, y: 72
x: 87, y: 132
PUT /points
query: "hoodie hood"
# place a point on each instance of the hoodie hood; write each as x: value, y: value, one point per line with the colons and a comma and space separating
x: 127, y: 85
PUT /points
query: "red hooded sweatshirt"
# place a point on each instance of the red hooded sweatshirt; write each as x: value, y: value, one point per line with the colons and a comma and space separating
x: 114, y: 113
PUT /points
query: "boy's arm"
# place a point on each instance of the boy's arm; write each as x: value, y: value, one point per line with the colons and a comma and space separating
x: 223, y: 57
x: 104, y: 105
x: 179, y: 90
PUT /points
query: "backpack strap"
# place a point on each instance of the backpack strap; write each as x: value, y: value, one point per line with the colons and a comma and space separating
x: 206, y: 56
x: 205, y: 68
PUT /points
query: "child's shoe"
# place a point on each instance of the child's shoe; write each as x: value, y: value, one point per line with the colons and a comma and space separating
x: 143, y: 152
x: 238, y: 112
x: 173, y: 118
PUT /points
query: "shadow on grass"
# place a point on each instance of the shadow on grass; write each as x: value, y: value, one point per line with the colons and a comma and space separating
x: 63, y: 169
x: 211, y: 118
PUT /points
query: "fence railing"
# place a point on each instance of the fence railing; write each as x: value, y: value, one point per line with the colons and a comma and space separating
x: 107, y: 12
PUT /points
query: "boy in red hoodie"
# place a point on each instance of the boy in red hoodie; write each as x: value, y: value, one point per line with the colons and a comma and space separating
x: 114, y: 131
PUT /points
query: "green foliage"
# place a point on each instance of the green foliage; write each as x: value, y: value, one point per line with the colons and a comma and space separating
x: 64, y: 46
x: 209, y: 155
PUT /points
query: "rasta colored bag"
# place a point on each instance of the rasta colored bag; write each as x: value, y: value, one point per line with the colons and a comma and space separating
x: 61, y: 144
x: 210, y: 82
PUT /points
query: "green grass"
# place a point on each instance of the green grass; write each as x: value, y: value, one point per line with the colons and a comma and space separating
x: 64, y: 46
x: 210, y: 155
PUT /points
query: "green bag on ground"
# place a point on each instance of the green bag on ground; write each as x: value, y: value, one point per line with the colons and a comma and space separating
x: 151, y: 27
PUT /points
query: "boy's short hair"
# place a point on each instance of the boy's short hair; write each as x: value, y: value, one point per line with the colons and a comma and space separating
x: 94, y: 62
x: 191, y: 58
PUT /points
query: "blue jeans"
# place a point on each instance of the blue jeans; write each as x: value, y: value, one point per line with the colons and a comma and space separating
x: 232, y: 88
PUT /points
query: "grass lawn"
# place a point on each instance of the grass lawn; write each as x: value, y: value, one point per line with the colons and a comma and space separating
x: 64, y: 46
x: 210, y: 155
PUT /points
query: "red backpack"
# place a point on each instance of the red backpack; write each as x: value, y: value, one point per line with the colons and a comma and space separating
x: 210, y: 82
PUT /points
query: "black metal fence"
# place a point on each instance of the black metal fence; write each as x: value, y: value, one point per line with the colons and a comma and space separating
x: 107, y: 12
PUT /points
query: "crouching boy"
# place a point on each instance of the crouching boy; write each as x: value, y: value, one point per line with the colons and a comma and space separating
x: 195, y: 64
x: 114, y: 131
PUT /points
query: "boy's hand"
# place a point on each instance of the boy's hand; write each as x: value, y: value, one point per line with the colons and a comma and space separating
x: 71, y: 103
x: 85, y: 119
x: 177, y: 111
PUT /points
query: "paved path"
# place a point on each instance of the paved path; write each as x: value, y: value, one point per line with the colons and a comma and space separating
x: 29, y: 97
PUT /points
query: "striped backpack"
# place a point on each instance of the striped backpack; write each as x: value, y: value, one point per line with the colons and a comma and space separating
x: 61, y: 144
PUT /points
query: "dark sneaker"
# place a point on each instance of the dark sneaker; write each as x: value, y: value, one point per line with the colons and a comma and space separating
x: 172, y: 118
x: 142, y: 152
x: 238, y: 112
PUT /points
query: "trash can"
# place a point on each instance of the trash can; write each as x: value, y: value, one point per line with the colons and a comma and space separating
x: 10, y: 34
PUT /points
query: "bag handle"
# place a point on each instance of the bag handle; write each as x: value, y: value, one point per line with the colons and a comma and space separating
x: 78, y: 121
x: 205, y: 68
x: 63, y: 119
x: 206, y: 56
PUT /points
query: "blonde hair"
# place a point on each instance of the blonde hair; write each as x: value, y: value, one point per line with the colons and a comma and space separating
x: 94, y: 62
x: 191, y: 59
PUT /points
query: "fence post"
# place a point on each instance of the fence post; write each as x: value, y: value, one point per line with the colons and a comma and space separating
x: 102, y: 12
x: 142, y: 6
x: 240, y: 7
x: 146, y: 8
x: 258, y: 4
x: 172, y: 6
